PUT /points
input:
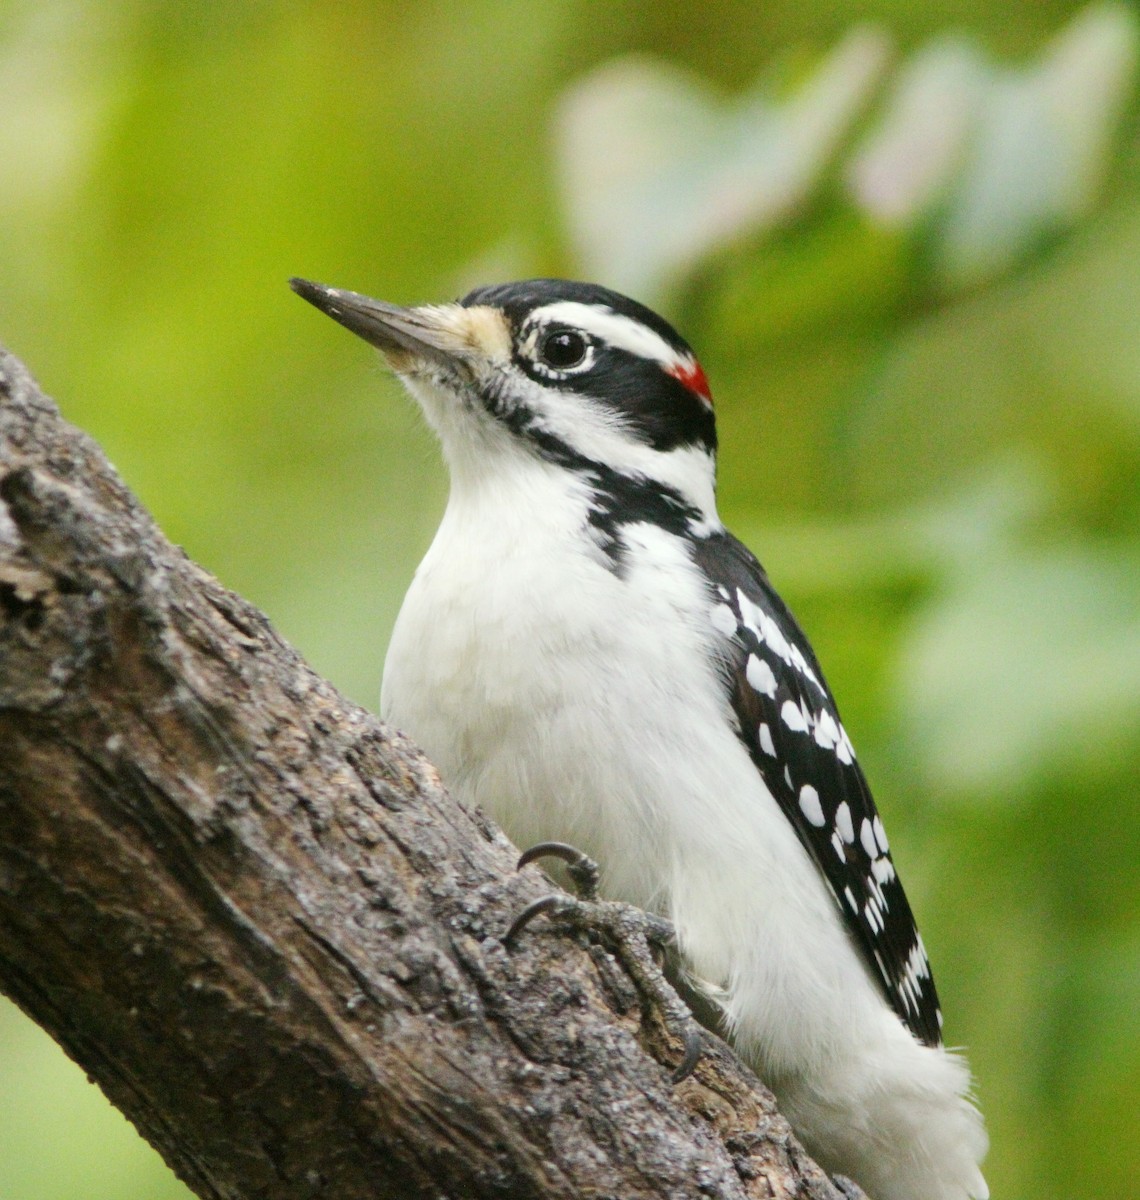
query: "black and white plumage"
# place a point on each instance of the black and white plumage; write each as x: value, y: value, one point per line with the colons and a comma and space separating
x: 586, y: 652
x: 790, y: 724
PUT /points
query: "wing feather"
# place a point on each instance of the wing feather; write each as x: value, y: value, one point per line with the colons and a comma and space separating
x: 789, y: 722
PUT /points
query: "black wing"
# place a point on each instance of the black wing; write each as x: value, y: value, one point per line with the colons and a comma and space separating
x: 790, y: 724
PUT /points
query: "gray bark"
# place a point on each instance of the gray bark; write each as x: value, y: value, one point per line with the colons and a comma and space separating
x: 254, y: 917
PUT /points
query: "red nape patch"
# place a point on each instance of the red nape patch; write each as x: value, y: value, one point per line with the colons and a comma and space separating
x: 693, y: 377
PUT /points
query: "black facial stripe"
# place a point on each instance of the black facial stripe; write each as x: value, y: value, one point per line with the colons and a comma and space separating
x: 622, y: 500
x: 617, y: 499
x: 659, y: 410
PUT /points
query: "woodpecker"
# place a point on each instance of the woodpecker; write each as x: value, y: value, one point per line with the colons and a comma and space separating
x: 588, y: 654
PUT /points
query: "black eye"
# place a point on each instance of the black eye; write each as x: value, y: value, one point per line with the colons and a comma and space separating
x: 562, y: 349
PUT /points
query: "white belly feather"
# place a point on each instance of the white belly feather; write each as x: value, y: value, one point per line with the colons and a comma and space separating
x: 507, y: 668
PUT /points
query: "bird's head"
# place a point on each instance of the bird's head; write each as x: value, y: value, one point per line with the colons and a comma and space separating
x: 568, y: 373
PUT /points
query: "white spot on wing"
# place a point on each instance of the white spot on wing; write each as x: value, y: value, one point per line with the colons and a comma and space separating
x: 767, y: 629
x: 766, y: 743
x: 810, y: 806
x: 881, y: 835
x: 723, y: 619
x: 827, y: 730
x: 760, y: 676
x: 774, y: 636
x: 883, y: 870
x: 751, y: 614
x: 906, y: 990
x: 793, y: 716
x: 843, y: 823
x: 802, y: 665
x: 844, y: 751
x: 867, y: 839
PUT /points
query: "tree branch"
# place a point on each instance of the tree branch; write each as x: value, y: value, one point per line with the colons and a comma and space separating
x: 255, y: 918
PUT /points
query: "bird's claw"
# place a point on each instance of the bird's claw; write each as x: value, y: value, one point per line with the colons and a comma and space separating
x: 630, y: 931
x: 691, y: 1039
x: 554, y: 903
x: 581, y: 868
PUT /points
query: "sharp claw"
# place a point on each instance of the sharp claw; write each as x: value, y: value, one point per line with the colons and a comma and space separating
x: 568, y: 854
x: 693, y: 1050
x: 581, y: 868
x: 535, y: 909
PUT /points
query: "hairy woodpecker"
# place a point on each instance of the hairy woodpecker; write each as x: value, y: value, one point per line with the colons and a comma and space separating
x: 587, y: 653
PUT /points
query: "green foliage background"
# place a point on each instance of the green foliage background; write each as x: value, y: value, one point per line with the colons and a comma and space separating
x: 942, y: 474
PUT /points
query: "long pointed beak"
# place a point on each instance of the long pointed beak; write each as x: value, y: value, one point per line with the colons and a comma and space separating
x: 406, y: 336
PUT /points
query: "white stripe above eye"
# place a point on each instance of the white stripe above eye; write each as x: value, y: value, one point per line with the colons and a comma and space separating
x: 613, y: 329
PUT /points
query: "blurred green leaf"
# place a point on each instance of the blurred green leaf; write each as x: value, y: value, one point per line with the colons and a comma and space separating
x: 1027, y: 665
x: 657, y: 171
x: 983, y: 159
x: 1041, y: 147
x: 916, y: 147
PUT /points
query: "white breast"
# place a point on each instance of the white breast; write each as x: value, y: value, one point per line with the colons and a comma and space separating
x: 575, y: 704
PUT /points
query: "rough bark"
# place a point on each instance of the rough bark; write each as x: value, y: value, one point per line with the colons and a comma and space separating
x: 254, y: 917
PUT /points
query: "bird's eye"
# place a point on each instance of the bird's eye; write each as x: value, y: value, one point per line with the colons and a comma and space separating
x: 562, y: 349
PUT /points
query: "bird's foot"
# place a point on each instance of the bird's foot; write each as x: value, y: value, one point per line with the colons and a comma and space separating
x: 630, y: 932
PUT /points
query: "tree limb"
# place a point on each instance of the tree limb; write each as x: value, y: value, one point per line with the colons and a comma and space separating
x: 254, y: 917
